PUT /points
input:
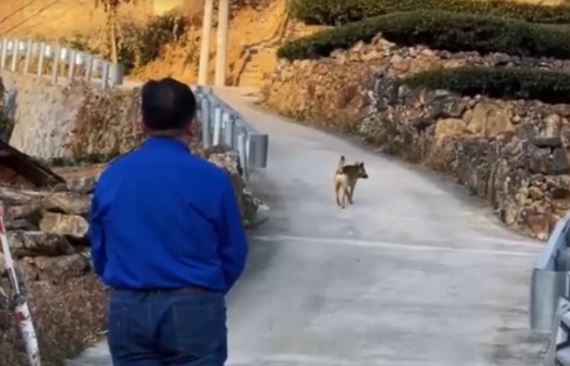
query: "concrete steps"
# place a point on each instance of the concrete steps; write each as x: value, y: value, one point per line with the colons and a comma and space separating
x: 261, y: 64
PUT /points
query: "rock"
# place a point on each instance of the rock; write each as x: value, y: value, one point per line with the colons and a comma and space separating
x: 62, y: 267
x: 400, y: 64
x: 37, y: 243
x: 468, y: 116
x: 372, y: 55
x: 536, y: 222
x: 448, y: 127
x: 535, y: 193
x: 68, y: 225
x: 560, y: 162
x: 542, y: 161
x: 10, y: 196
x: 552, y: 126
x: 68, y: 203
x: 30, y: 212
x: 489, y: 120
x: 21, y: 224
x: 544, y: 142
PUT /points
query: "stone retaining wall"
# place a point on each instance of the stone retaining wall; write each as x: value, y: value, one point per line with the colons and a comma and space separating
x: 513, y: 153
x: 333, y: 92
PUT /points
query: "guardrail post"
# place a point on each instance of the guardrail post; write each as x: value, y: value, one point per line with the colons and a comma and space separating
x: 205, y: 122
x: 258, y: 148
x: 550, y: 278
x: 15, y: 54
x: 56, y: 59
x: 105, y: 75
x: 29, y: 51
x: 217, y: 125
x: 116, y: 74
x: 230, y: 132
x: 72, y: 59
x: 4, y: 52
x: 41, y: 59
x: 89, y: 67
x: 242, y: 150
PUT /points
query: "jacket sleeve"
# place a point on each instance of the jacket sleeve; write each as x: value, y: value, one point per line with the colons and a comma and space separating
x: 233, y: 248
x: 97, y: 235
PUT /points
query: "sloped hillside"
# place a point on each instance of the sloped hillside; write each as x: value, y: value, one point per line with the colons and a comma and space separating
x: 256, y: 31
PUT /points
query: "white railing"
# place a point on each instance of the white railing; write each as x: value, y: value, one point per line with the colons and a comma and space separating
x: 222, y: 125
x: 63, y: 63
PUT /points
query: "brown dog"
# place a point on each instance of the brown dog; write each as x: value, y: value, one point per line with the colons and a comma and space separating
x: 345, y: 180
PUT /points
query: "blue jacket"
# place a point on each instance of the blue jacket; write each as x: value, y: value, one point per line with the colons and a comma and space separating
x: 164, y: 219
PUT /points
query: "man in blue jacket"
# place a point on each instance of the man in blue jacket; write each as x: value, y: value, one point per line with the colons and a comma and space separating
x: 167, y: 237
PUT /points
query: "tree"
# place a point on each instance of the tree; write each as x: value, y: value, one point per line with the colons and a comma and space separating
x: 112, y: 27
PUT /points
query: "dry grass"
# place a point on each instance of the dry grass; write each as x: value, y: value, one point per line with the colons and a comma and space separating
x: 68, y: 318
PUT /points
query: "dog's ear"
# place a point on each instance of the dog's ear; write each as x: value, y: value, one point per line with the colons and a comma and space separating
x: 361, y: 165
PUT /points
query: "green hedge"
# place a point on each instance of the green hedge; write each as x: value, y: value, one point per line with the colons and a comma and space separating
x: 335, y: 12
x: 439, y: 30
x: 503, y: 83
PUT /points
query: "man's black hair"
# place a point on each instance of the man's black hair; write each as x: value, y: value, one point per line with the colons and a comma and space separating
x: 167, y: 104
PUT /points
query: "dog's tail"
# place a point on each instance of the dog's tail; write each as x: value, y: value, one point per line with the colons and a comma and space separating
x: 341, y: 163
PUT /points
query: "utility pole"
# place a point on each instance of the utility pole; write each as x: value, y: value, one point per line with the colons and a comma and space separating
x: 222, y: 44
x: 205, y: 47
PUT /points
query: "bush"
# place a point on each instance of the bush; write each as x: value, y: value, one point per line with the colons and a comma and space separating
x: 335, y: 12
x: 439, y: 30
x: 502, y: 83
x: 142, y: 44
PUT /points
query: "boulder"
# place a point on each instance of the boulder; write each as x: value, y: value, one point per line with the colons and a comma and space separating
x: 62, y: 267
x: 73, y: 226
x: 489, y: 120
x: 37, y: 243
x: 68, y: 203
x: 448, y: 127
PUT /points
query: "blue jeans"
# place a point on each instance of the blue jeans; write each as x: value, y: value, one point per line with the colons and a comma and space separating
x: 167, y: 328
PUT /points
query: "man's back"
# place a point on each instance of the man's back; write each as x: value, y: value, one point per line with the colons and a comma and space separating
x: 165, y: 218
x: 167, y: 237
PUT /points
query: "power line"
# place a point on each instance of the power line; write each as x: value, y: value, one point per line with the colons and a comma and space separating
x: 30, y: 17
x: 17, y: 11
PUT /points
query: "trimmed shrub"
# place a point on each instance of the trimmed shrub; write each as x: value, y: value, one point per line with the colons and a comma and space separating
x: 439, y: 30
x: 335, y: 12
x: 502, y: 83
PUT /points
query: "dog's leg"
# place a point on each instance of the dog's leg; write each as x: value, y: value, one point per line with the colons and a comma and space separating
x: 342, y: 195
x: 351, y: 193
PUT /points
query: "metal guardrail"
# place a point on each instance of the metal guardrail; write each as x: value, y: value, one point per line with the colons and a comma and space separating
x: 549, y: 294
x: 66, y: 62
x: 222, y: 125
x: 550, y: 278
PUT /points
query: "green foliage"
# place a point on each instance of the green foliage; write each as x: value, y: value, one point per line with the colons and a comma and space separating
x: 335, y: 12
x: 504, y: 83
x: 439, y: 30
x: 80, y: 42
x: 141, y: 44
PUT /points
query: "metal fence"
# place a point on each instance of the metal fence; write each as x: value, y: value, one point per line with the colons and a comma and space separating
x: 54, y: 61
x: 222, y: 125
x: 550, y: 289
x: 550, y: 277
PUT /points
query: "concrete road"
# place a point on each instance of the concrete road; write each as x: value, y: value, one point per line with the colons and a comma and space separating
x: 415, y: 273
